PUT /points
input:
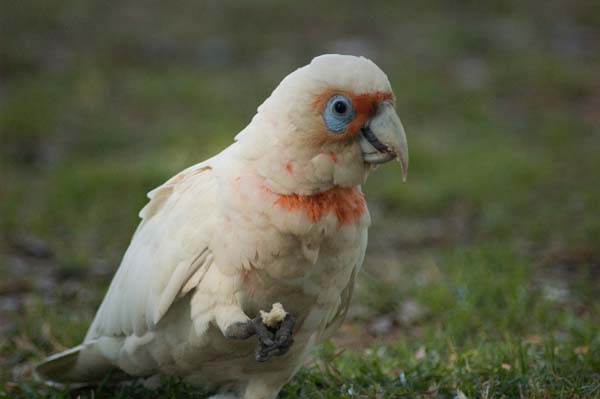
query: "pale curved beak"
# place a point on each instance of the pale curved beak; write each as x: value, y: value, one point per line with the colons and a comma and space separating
x: 383, y: 138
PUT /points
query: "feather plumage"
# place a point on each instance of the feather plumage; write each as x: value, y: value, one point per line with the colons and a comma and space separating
x: 277, y: 217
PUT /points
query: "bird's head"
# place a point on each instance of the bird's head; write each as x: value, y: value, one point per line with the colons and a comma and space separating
x: 325, y: 125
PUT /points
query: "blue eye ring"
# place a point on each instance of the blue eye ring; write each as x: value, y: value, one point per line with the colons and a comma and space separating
x: 338, y: 113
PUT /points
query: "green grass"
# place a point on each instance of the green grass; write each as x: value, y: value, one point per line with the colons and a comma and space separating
x: 482, y: 276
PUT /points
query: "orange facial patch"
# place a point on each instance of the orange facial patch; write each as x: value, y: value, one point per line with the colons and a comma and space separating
x: 365, y: 105
x: 347, y: 203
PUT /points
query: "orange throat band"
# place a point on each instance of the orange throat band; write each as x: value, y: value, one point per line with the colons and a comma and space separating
x: 347, y: 203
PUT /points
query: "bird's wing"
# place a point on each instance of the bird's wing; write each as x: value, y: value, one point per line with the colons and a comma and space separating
x: 342, y: 309
x: 167, y: 256
x: 346, y: 295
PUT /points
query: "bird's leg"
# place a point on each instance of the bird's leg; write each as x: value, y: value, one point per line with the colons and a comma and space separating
x: 271, y: 341
x: 246, y: 329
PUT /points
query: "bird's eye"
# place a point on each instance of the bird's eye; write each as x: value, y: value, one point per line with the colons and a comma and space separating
x: 340, y: 107
x: 338, y: 113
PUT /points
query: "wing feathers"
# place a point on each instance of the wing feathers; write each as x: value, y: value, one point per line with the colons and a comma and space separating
x: 168, y: 255
x: 178, y: 282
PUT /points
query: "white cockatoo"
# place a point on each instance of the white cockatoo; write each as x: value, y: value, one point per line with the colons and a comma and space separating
x: 276, y: 221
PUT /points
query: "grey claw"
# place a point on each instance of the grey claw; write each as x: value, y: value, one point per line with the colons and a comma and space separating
x: 284, y: 333
x: 271, y: 342
x: 281, y: 343
x: 265, y: 337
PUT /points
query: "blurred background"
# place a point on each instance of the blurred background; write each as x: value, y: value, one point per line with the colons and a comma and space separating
x: 483, y: 270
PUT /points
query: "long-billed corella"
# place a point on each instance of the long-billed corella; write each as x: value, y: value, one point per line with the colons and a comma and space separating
x: 276, y: 222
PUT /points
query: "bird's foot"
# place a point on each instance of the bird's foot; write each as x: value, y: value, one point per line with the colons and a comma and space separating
x: 272, y: 341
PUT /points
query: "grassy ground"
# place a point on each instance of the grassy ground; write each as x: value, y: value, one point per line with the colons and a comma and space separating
x: 482, y: 277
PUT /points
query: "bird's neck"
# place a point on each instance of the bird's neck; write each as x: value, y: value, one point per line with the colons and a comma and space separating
x: 346, y: 203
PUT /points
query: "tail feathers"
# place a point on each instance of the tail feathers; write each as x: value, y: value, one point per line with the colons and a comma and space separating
x: 82, y: 364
